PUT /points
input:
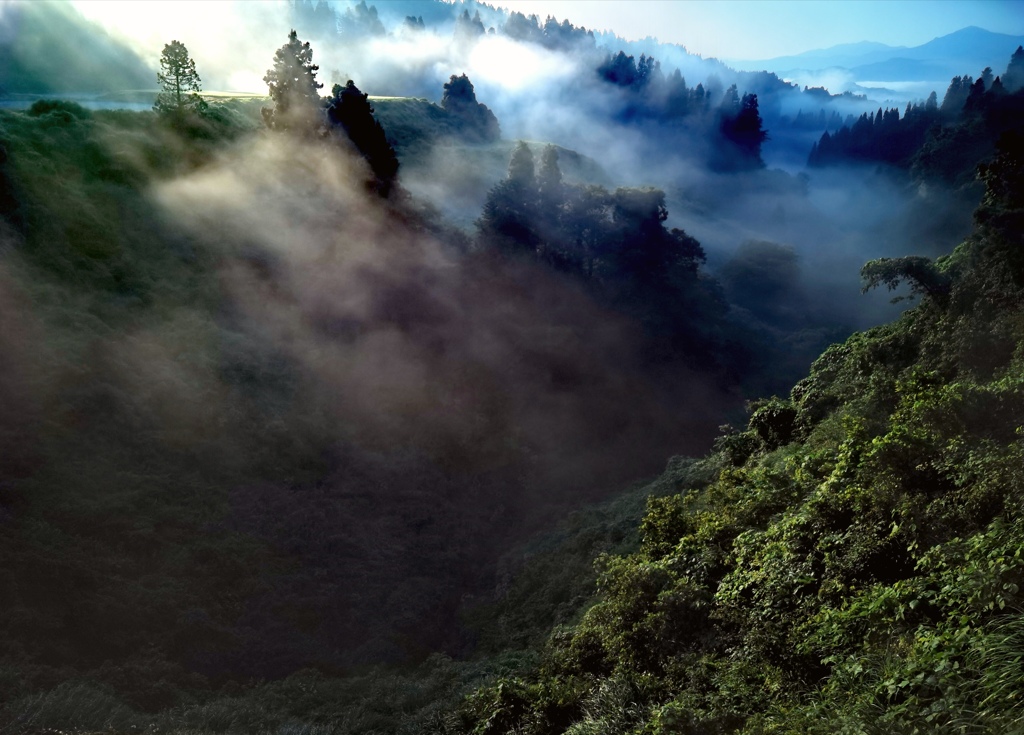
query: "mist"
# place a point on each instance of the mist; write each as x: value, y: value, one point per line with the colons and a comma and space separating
x: 326, y: 415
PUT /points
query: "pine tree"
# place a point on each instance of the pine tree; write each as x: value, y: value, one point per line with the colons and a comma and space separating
x: 293, y: 88
x: 179, y: 82
x: 744, y: 131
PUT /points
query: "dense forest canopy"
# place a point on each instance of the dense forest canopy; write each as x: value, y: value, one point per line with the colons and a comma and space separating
x: 331, y: 412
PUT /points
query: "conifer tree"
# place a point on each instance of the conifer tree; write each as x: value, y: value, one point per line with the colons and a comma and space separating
x: 510, y: 213
x: 179, y: 82
x: 350, y: 109
x: 1013, y: 79
x: 549, y: 179
x: 293, y: 88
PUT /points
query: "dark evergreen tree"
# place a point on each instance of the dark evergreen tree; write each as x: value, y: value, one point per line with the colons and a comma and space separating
x: 742, y: 132
x: 474, y: 120
x: 551, y: 199
x: 521, y: 168
x: 619, y: 70
x: 549, y: 179
x: 956, y: 95
x: 975, y: 97
x: 730, y: 105
x: 509, y: 215
x: 293, y: 88
x: 648, y: 71
x: 350, y: 110
x: 699, y: 99
x: 987, y: 78
x: 677, y: 97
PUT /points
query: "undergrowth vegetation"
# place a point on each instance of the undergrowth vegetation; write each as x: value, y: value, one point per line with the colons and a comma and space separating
x: 855, y: 562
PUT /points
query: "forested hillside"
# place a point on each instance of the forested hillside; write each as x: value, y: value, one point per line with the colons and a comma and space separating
x: 851, y: 560
x: 331, y: 413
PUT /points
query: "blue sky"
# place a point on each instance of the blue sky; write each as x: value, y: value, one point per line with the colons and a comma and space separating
x: 762, y: 29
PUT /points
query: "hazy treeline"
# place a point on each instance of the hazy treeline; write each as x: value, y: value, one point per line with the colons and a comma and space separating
x: 850, y: 560
x: 940, y: 141
x: 262, y: 418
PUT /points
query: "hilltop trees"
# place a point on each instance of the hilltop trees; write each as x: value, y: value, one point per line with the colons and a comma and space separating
x: 939, y: 142
x: 298, y: 107
x: 741, y: 126
x: 293, y: 88
x: 616, y: 243
x: 475, y: 120
x: 179, y: 82
x: 509, y: 214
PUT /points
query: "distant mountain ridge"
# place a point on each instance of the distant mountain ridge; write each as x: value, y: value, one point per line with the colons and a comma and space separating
x: 966, y: 51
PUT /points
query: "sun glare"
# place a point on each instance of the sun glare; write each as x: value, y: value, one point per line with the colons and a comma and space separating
x: 509, y: 64
x: 230, y: 45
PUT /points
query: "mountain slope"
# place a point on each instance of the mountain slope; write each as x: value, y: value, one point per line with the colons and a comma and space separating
x: 941, y: 58
x: 856, y: 561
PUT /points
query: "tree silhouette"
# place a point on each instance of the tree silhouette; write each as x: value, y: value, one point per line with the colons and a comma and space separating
x: 956, y: 95
x: 1013, y: 79
x: 742, y: 129
x: 360, y: 22
x: 467, y: 28
x: 475, y: 120
x: 549, y: 179
x: 179, y: 82
x: 350, y: 109
x: 293, y: 88
x: 510, y: 213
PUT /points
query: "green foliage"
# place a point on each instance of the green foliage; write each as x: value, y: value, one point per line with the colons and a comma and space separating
x: 179, y: 83
x: 475, y: 121
x: 349, y: 110
x: 856, y: 561
x: 851, y: 560
x: 920, y: 273
x: 293, y: 88
x: 545, y: 584
x: 616, y: 244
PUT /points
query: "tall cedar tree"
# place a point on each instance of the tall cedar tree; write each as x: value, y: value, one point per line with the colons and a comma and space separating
x: 293, y: 88
x: 179, y: 82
